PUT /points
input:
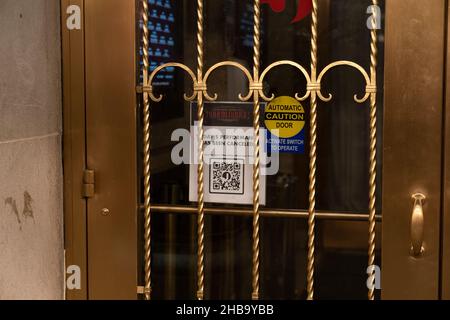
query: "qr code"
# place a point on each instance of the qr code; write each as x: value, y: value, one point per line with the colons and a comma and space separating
x: 226, y: 176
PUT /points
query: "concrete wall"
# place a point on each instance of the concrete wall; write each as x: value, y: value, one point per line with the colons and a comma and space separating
x: 31, y: 212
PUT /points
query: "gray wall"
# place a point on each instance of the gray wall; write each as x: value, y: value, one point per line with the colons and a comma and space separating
x: 31, y: 212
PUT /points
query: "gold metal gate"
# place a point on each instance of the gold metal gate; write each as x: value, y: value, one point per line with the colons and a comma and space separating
x: 256, y: 94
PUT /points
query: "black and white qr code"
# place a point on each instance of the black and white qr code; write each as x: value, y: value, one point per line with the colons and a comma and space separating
x: 226, y: 176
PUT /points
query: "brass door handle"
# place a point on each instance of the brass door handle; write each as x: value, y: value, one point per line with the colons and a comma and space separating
x: 417, y: 225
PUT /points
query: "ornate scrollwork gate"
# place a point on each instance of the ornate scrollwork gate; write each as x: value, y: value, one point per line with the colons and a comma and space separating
x: 256, y: 93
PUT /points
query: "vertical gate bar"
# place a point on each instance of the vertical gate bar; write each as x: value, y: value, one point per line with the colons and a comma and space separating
x: 256, y: 128
x: 147, y: 128
x: 200, y: 190
x: 312, y: 156
x: 373, y: 146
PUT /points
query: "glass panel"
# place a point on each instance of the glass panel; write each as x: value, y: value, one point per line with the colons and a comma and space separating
x: 342, y: 169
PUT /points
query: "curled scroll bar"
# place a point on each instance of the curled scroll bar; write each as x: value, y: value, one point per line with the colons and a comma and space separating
x: 230, y: 64
x: 369, y: 87
x: 152, y: 76
x: 283, y: 63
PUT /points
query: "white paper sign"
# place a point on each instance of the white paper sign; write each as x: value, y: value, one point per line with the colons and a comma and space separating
x: 228, y: 154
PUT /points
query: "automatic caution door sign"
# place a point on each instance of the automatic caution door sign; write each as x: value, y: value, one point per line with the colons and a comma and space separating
x: 284, y: 118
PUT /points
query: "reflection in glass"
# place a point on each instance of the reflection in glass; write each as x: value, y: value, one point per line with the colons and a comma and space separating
x: 343, y: 134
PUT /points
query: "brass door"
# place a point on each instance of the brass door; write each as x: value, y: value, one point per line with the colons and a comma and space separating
x: 343, y: 205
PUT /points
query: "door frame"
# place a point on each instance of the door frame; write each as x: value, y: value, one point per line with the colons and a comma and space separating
x: 445, y: 228
x: 413, y: 32
x: 74, y: 149
x: 416, y: 33
x: 99, y: 71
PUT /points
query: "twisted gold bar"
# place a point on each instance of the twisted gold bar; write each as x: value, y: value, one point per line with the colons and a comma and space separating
x: 256, y: 130
x: 373, y: 148
x: 147, y: 128
x: 312, y: 157
x: 200, y: 190
x: 256, y: 90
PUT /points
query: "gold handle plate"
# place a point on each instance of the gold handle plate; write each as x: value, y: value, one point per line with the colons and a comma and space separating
x: 417, y: 225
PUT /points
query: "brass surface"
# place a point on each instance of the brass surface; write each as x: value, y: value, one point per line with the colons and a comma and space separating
x: 146, y: 162
x: 273, y: 213
x: 74, y: 156
x: 417, y: 225
x: 314, y: 86
x: 141, y: 290
x: 413, y: 103
x: 110, y: 82
x: 256, y: 86
x: 412, y: 145
x: 88, y: 183
x: 372, y: 147
x: 198, y: 87
x: 445, y: 228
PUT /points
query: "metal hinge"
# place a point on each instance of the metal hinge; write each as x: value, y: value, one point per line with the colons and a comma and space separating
x: 143, y: 290
x: 88, y: 183
x: 142, y: 89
